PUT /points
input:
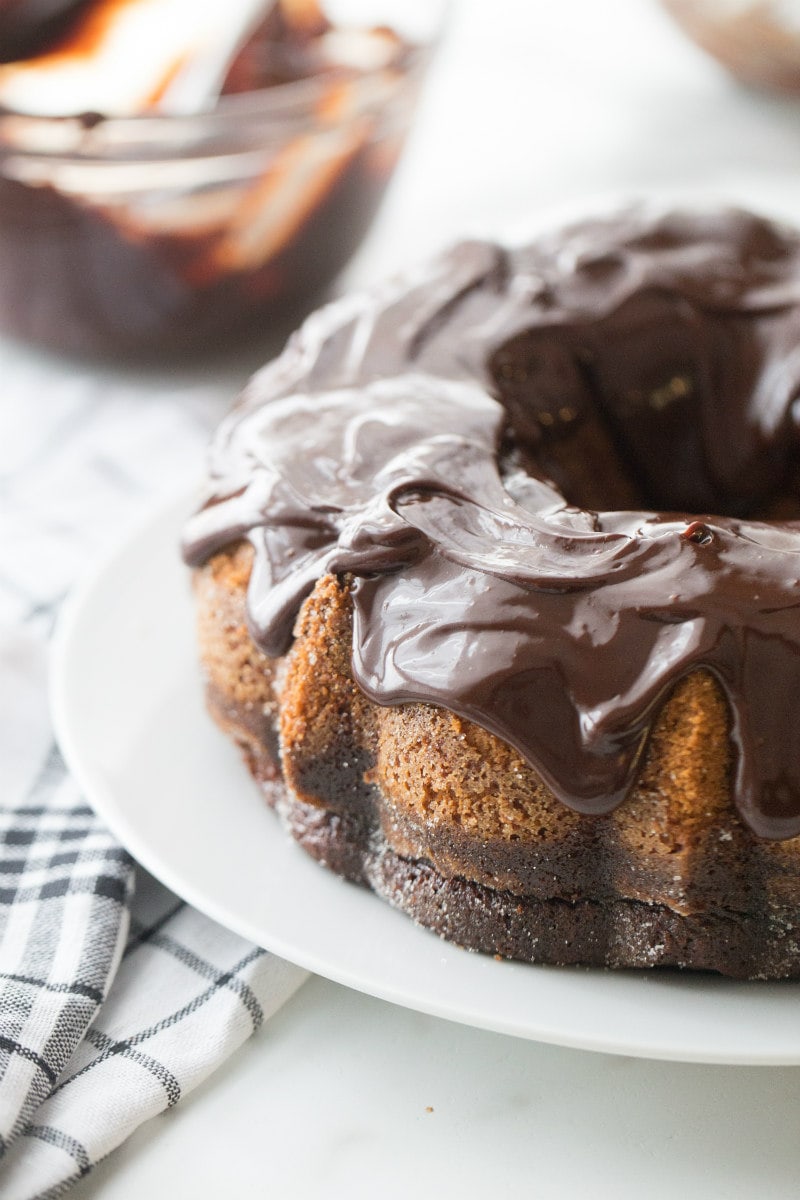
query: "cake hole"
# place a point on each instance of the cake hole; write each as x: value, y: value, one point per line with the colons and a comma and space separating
x: 639, y: 411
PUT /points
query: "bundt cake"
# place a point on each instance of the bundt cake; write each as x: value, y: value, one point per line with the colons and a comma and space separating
x: 498, y: 583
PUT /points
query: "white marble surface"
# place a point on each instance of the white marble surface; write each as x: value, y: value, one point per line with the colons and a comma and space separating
x: 534, y: 103
x: 332, y: 1100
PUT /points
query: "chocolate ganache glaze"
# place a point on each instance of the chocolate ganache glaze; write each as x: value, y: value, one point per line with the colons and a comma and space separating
x: 554, y: 475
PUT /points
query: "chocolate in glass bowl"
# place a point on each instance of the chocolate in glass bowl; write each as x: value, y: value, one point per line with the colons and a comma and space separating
x: 163, y: 231
x: 26, y: 24
x: 758, y: 41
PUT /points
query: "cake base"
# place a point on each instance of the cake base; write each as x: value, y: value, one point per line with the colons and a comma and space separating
x: 612, y: 933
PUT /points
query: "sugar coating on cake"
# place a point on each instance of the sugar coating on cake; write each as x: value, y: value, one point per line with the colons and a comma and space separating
x: 498, y: 582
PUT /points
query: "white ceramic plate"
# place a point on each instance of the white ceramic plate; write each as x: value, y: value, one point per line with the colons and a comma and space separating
x: 129, y: 716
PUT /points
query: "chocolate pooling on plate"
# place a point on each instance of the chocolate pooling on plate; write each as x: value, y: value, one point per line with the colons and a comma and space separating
x: 561, y: 478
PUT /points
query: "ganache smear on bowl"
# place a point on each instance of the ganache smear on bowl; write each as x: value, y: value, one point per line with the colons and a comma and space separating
x: 174, y: 174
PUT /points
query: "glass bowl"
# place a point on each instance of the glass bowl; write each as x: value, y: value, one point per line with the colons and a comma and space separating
x: 153, y: 234
x: 758, y: 41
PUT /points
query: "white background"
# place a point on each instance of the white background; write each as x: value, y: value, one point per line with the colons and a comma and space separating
x: 534, y: 103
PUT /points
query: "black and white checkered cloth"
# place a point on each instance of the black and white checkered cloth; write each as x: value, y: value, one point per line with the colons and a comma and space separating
x: 116, y: 998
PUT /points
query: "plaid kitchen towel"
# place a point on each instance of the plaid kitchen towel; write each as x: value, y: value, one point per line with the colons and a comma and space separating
x: 115, y: 997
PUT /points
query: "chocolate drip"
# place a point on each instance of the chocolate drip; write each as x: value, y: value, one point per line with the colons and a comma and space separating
x: 441, y: 441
